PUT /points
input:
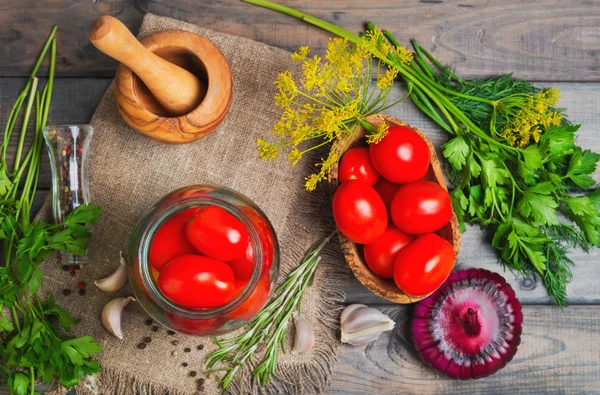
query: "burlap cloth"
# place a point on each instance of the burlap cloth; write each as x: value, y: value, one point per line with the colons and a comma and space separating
x: 129, y: 172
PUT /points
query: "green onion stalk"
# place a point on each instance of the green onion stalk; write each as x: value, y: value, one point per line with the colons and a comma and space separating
x: 425, y: 91
x: 515, y: 164
x: 31, y: 347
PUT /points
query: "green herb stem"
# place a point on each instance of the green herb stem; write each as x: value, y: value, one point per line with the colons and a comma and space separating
x: 269, y: 326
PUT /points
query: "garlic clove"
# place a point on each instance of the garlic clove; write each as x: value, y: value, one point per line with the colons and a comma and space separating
x: 361, y: 324
x: 305, y: 335
x: 348, y: 310
x: 115, y: 281
x: 112, y: 314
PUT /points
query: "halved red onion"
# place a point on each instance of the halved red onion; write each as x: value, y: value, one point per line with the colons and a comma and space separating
x: 470, y: 327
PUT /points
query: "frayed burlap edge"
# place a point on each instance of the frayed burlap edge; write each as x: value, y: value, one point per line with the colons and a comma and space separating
x: 309, y: 373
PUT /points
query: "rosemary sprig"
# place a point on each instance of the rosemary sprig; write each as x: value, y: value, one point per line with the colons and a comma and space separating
x: 268, y: 326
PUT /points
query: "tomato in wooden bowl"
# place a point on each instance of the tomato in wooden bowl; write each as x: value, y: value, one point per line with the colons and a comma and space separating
x: 395, y: 221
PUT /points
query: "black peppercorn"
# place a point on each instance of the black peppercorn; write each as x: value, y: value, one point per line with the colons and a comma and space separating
x: 200, y: 381
x: 147, y: 339
x: 193, y: 373
x: 155, y: 328
x: 148, y: 322
x: 175, y: 342
x: 65, y: 268
x: 170, y: 333
x: 66, y: 292
x: 141, y: 346
x: 187, y: 349
x: 200, y: 347
x: 185, y: 364
x: 82, y: 292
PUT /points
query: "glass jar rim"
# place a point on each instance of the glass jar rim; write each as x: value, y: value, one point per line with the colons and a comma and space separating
x: 181, y: 205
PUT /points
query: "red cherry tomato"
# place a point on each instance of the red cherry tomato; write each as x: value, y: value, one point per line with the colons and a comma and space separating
x: 356, y: 165
x: 421, y: 207
x: 423, y: 265
x: 187, y: 214
x: 243, y: 267
x: 402, y: 156
x: 217, y: 234
x: 386, y: 190
x: 189, y: 326
x: 255, y: 301
x: 359, y: 212
x: 169, y: 242
x: 381, y: 254
x: 196, y: 282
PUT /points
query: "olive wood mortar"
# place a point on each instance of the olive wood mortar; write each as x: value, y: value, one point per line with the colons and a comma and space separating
x: 353, y: 252
x: 173, y: 86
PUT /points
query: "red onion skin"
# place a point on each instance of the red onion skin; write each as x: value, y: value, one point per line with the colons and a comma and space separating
x: 462, y: 308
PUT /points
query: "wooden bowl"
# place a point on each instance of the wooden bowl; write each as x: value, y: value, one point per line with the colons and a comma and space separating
x: 353, y: 252
x: 144, y: 113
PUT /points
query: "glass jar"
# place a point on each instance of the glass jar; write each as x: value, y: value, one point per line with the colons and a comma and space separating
x: 68, y: 151
x: 243, y: 306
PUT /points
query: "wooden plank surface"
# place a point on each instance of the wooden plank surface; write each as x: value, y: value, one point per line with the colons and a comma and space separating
x: 559, y: 354
x: 75, y: 100
x: 542, y: 40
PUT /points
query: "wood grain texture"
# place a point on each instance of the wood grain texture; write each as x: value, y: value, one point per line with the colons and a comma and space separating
x: 559, y: 354
x: 539, y: 40
x: 24, y: 27
x: 75, y: 101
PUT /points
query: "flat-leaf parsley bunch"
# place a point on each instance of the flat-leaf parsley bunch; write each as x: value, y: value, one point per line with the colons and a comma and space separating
x: 331, y: 100
x: 514, y: 161
x: 35, y: 344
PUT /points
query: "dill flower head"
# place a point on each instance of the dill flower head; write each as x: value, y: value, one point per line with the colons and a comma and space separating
x: 532, y: 117
x: 329, y: 99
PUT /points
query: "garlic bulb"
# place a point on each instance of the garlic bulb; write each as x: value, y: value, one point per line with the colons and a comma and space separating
x: 115, y: 281
x: 305, y: 335
x: 112, y: 314
x: 361, y: 324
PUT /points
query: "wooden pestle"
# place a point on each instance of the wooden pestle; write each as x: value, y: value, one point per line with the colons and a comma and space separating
x: 175, y: 88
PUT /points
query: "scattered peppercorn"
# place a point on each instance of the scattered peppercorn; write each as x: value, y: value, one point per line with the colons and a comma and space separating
x: 200, y: 347
x: 148, y: 321
x: 193, y: 373
x: 185, y: 364
x: 147, y: 339
x: 170, y: 333
x: 155, y: 328
x: 82, y: 292
x: 141, y: 346
x: 187, y: 349
x: 175, y: 342
x: 65, y: 268
x: 200, y: 381
x: 66, y: 292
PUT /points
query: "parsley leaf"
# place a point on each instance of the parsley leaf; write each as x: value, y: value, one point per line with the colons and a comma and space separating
x: 582, y: 164
x: 537, y: 204
x: 583, y: 212
x: 457, y: 151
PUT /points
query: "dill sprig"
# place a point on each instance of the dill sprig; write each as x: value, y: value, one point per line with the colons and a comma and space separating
x: 512, y: 155
x: 330, y: 101
x: 268, y: 328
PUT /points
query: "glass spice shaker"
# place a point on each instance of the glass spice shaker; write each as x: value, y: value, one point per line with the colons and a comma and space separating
x: 68, y: 150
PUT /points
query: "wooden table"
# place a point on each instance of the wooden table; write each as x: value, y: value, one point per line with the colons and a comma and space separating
x: 551, y: 42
